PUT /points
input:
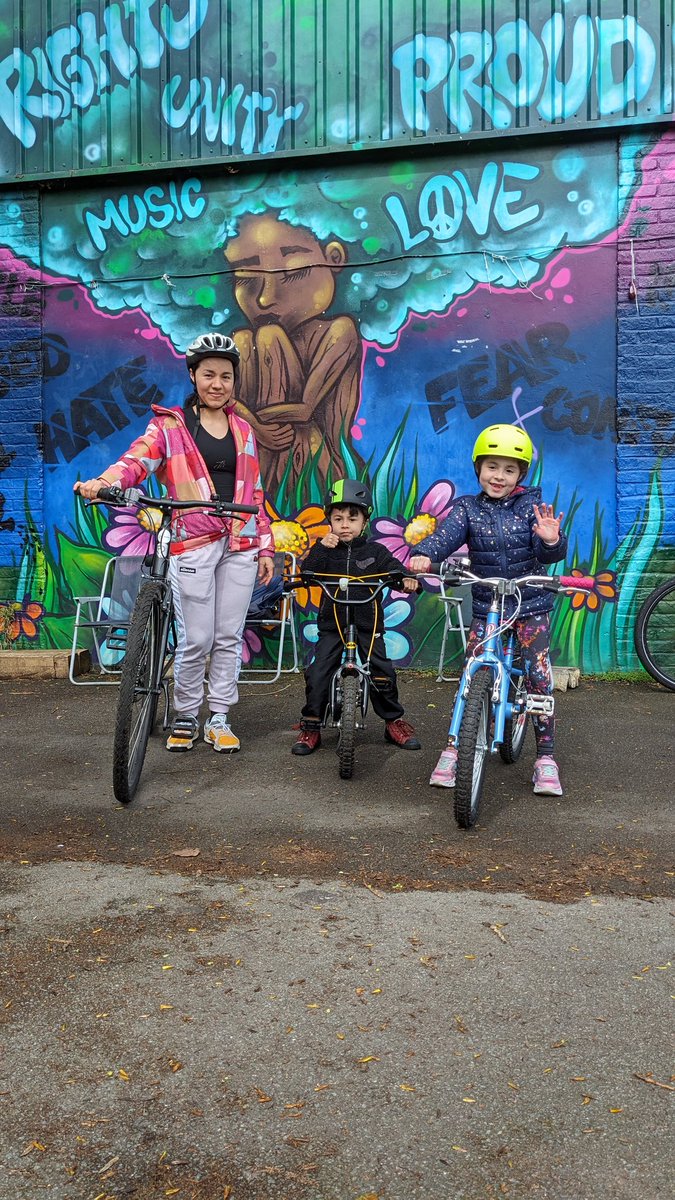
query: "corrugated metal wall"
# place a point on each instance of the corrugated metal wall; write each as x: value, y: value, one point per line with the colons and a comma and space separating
x: 90, y: 86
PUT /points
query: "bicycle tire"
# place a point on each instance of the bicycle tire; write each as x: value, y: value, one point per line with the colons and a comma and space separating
x: 515, y: 729
x: 346, y: 743
x: 473, y: 749
x: 655, y: 634
x: 137, y: 706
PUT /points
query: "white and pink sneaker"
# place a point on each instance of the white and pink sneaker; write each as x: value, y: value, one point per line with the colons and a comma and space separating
x: 546, y: 779
x: 445, y: 771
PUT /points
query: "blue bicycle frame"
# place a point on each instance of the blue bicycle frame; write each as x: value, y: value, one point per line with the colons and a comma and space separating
x: 496, y: 652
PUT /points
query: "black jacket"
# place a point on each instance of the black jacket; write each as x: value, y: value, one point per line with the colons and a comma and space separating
x: 359, y: 557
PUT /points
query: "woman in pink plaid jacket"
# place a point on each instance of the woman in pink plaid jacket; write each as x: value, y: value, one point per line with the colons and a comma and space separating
x: 203, y: 450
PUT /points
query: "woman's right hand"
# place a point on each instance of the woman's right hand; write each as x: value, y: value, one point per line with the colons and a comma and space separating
x: 89, y: 488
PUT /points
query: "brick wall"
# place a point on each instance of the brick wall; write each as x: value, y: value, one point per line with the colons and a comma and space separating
x: 20, y: 369
x: 646, y: 337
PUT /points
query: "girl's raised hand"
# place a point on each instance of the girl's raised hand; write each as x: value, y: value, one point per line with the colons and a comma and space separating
x: 546, y: 524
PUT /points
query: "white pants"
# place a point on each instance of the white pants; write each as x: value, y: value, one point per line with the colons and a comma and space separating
x: 212, y: 589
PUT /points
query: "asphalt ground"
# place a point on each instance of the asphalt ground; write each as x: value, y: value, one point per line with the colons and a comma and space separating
x: 260, y: 980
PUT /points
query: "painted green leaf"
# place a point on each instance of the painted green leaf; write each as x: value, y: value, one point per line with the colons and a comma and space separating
x: 82, y: 567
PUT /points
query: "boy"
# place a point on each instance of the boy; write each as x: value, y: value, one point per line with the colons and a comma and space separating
x: 508, y: 532
x: 346, y: 551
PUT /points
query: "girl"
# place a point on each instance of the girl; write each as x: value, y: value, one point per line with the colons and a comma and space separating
x: 508, y: 532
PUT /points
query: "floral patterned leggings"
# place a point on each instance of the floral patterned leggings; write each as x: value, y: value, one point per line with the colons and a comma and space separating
x: 533, y: 636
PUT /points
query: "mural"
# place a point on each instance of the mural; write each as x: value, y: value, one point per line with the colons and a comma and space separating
x: 109, y: 85
x: 385, y: 314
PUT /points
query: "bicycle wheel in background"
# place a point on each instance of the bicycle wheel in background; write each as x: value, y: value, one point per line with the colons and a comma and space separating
x: 137, y: 704
x: 515, y: 728
x: 655, y: 634
x: 350, y: 705
x: 473, y: 749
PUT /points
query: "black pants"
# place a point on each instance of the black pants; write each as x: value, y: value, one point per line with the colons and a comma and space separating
x: 327, y: 657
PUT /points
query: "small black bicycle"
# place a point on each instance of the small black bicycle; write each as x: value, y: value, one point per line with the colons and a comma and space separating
x: 150, y: 642
x: 351, y: 682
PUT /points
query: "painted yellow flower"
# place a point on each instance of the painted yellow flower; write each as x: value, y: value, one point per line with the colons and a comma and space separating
x: 295, y: 535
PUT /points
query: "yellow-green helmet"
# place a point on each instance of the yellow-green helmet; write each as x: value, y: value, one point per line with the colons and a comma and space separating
x: 506, y: 441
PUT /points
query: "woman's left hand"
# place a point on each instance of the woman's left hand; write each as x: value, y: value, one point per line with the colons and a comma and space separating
x: 265, y: 568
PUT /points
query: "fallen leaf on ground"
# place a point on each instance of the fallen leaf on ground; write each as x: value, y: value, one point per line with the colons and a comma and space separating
x: 495, y: 929
x: 187, y: 853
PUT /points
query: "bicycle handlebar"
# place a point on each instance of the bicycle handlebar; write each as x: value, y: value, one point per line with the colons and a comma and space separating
x: 457, y: 570
x: 377, y: 583
x: 133, y: 497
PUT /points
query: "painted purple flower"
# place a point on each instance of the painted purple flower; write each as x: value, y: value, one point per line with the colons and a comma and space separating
x: 131, y: 532
x: 400, y: 536
x: 251, y: 646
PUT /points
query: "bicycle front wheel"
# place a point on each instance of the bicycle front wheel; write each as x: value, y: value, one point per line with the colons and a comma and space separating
x: 515, y: 728
x: 655, y: 634
x: 473, y: 749
x: 350, y: 705
x: 137, y: 704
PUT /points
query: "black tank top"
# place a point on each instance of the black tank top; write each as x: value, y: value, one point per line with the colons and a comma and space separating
x: 220, y: 457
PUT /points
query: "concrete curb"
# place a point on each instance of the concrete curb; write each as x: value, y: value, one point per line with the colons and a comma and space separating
x: 565, y: 677
x: 42, y: 664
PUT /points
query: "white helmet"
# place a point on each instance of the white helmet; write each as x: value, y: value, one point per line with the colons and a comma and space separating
x: 211, y: 345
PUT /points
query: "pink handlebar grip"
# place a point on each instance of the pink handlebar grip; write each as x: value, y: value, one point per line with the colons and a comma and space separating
x: 581, y: 583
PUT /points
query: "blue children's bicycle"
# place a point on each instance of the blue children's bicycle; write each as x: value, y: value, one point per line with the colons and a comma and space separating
x: 492, y: 703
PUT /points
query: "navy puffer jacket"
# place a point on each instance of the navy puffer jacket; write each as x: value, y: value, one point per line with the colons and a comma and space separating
x: 500, y: 540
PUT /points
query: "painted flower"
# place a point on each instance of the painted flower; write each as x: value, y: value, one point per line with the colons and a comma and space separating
x: 22, y: 620
x: 295, y: 535
x: 251, y: 645
x: 132, y: 531
x: 401, y: 537
x: 604, y: 591
x: 397, y: 612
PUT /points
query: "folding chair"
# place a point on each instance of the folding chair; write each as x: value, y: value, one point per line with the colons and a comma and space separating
x: 453, y: 609
x: 285, y: 565
x: 102, y: 621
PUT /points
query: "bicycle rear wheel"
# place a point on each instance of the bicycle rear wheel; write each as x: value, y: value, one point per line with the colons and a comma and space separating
x: 655, y: 634
x: 350, y: 704
x: 473, y: 749
x: 137, y: 703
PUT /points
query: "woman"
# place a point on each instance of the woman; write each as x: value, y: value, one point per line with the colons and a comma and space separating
x: 203, y: 450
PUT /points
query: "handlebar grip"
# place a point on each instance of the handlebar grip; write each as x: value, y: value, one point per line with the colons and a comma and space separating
x: 110, y: 495
x: 581, y: 583
x: 241, y: 508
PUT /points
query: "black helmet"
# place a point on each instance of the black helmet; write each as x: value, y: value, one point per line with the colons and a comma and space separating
x: 211, y: 345
x: 349, y: 491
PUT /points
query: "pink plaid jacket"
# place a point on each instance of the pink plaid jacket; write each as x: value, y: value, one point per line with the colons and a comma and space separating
x: 167, y: 450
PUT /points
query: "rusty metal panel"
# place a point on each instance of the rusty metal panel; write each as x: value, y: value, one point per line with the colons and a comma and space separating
x: 91, y: 86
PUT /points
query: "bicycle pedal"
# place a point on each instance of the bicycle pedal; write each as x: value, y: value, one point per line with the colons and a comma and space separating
x: 545, y: 705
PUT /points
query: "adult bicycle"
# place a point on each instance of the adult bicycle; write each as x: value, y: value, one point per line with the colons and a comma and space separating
x: 655, y: 634
x: 492, y: 703
x: 151, y: 637
x: 351, y: 681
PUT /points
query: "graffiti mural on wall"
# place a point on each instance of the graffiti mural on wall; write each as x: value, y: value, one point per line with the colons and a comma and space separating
x: 70, y: 99
x: 384, y: 316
